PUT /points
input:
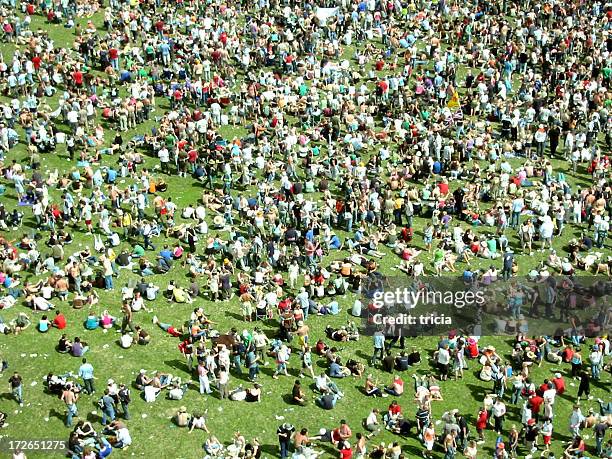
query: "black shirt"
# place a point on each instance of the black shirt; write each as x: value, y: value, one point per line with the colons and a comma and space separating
x: 15, y: 381
x: 401, y: 363
x: 284, y: 432
x: 327, y: 401
x: 600, y: 429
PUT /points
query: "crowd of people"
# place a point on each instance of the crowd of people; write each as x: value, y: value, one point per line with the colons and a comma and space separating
x: 326, y: 143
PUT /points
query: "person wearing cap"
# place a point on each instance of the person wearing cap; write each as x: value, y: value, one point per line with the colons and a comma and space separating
x: 182, y: 418
x: 500, y: 451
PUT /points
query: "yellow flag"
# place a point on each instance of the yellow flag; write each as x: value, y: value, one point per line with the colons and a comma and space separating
x: 454, y: 101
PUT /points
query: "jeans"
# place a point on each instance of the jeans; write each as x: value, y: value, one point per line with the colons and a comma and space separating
x: 108, y: 416
x: 253, y: 372
x: 284, y: 449
x: 378, y: 352
x: 595, y: 370
x: 334, y: 400
x: 108, y: 282
x: 72, y: 411
x: 125, y: 409
x: 18, y: 393
x: 598, y: 445
x: 515, y: 396
x: 88, y: 386
x: 515, y: 219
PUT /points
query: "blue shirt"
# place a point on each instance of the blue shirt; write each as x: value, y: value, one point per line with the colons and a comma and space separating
x: 334, y: 371
x: 86, y: 371
x: 166, y: 254
x: 111, y: 175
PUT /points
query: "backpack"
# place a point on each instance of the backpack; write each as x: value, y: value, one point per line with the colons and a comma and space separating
x: 101, y: 403
x: 124, y: 395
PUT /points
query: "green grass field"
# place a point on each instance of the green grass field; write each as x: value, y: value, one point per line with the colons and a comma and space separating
x: 154, y: 435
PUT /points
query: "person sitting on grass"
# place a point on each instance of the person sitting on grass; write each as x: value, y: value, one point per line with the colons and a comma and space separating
x: 44, y: 324
x: 119, y: 435
x: 182, y: 418
x: 327, y: 400
x: 78, y: 348
x: 324, y: 384
x: 198, y: 421
x: 249, y: 395
x: 297, y: 394
x: 213, y: 446
x: 371, y: 388
x: 142, y: 380
x: 92, y: 322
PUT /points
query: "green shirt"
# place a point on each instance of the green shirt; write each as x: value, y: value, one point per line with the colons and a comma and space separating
x: 138, y: 250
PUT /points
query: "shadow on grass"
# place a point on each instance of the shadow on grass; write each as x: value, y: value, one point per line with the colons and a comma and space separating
x: 178, y: 365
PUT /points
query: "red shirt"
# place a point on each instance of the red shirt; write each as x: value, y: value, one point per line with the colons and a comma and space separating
x: 60, y: 321
x: 443, y: 187
x: 78, y: 77
x: 559, y: 385
x: 36, y: 60
x: 346, y: 453
x: 535, y: 403
x: 113, y: 53
x: 395, y: 409
x: 481, y: 422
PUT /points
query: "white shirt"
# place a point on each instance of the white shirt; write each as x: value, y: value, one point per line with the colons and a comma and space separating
x: 443, y: 356
x: 126, y: 340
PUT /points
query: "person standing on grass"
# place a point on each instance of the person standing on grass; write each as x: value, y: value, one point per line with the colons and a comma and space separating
x: 443, y: 358
x: 126, y: 322
x: 282, y: 357
x: 223, y: 382
x: 203, y: 377
x: 70, y: 399
x: 429, y: 437
x: 86, y: 373
x: 125, y: 399
x: 284, y: 433
x: 498, y: 411
x: 16, y: 387
x: 107, y: 404
x: 584, y: 387
x: 450, y: 445
x: 379, y: 347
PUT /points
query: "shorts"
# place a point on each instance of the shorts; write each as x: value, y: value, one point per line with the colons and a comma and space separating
x: 428, y: 239
x: 429, y: 445
x: 88, y: 222
x: 547, y: 439
x: 443, y: 367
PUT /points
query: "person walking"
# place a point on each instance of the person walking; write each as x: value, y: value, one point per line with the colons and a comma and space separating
x: 127, y: 318
x: 16, y: 386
